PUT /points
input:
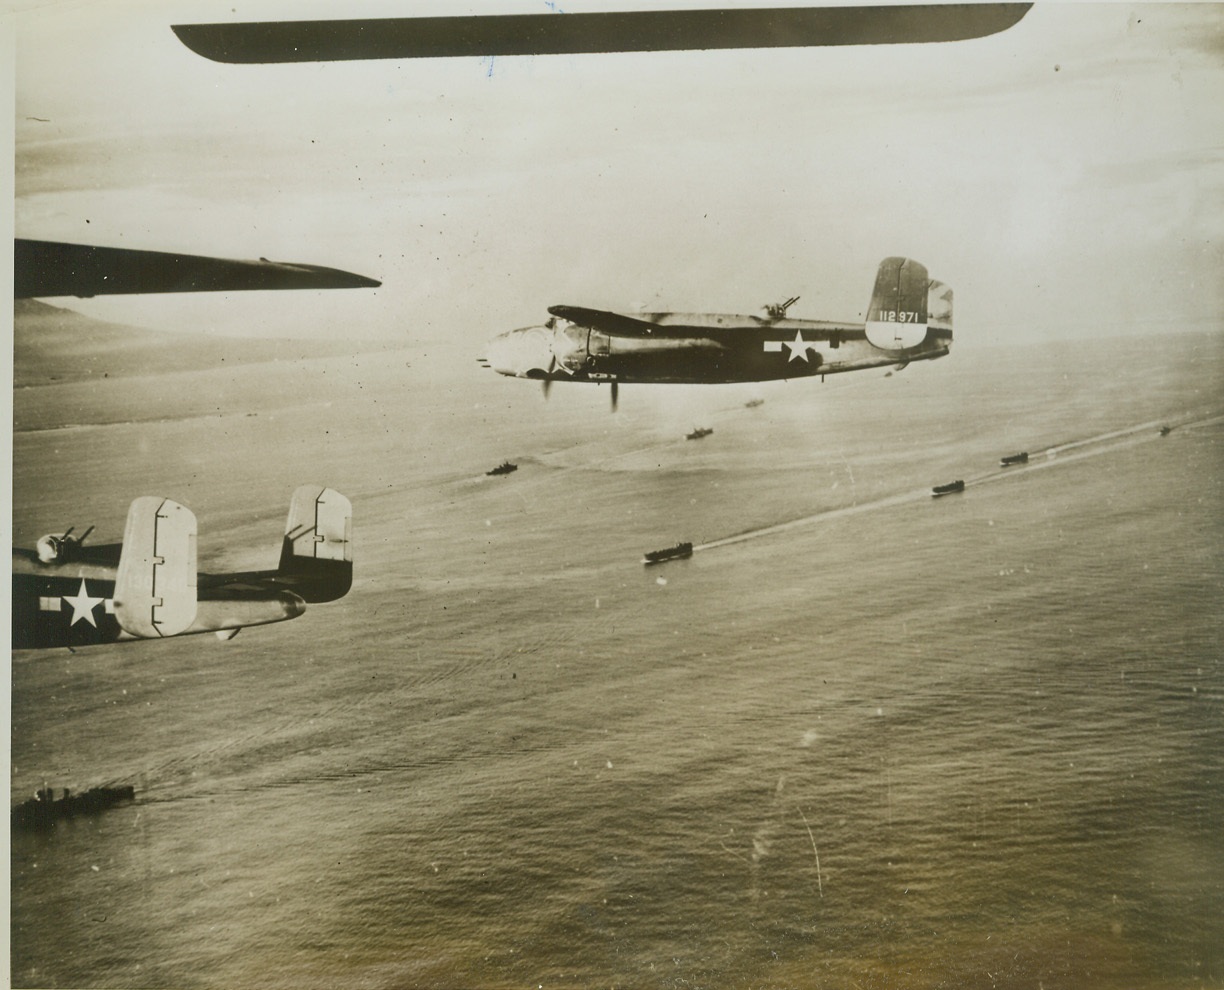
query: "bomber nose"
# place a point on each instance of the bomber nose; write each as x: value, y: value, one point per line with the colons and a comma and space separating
x: 520, y: 353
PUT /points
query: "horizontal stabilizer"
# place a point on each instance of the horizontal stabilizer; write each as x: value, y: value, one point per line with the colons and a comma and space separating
x: 52, y: 268
x: 611, y: 31
x: 155, y: 586
x: 317, y: 551
x: 225, y: 617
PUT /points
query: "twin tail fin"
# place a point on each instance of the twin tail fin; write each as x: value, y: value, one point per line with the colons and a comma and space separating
x: 155, y: 585
x: 317, y: 551
x: 905, y: 304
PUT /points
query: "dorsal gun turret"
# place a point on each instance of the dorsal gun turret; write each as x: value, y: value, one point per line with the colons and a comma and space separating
x: 60, y: 549
x: 777, y: 311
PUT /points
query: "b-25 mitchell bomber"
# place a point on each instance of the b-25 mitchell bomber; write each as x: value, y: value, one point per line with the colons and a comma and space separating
x: 909, y: 319
x: 147, y: 587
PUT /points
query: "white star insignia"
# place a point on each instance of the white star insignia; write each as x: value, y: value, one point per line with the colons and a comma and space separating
x: 83, y: 604
x: 798, y: 347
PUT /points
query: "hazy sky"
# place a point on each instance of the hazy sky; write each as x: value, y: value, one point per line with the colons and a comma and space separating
x: 1066, y: 177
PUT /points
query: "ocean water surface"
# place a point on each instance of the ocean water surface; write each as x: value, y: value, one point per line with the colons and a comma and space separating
x: 863, y: 737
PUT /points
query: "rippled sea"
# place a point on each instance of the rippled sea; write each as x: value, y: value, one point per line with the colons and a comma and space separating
x: 874, y: 740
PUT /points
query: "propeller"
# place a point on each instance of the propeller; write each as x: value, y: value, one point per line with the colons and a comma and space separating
x: 552, y: 366
x: 615, y: 394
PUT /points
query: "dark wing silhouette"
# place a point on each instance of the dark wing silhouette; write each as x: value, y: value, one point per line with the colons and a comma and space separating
x: 620, y: 31
x: 53, y: 268
x: 677, y: 326
x: 616, y: 324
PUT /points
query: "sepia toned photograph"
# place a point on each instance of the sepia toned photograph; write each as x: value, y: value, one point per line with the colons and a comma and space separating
x: 565, y: 494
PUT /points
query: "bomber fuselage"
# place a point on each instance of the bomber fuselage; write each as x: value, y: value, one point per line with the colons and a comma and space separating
x: 73, y: 604
x: 717, y: 350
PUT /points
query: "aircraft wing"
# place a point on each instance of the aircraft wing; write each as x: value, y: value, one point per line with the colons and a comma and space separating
x: 618, y: 31
x: 675, y: 326
x: 615, y: 324
x: 53, y: 268
x: 660, y: 326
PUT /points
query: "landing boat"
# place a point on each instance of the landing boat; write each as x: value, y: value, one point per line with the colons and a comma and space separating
x: 697, y: 434
x: 1010, y: 459
x: 949, y: 489
x: 677, y: 552
x: 44, y: 809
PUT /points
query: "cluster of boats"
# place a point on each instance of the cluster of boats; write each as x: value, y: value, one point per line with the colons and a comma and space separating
x: 681, y: 550
x: 952, y: 487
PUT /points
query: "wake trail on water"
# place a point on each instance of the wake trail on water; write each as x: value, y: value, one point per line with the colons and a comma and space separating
x: 1063, y: 453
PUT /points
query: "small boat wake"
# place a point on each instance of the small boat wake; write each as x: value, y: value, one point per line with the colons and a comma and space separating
x: 1077, y: 450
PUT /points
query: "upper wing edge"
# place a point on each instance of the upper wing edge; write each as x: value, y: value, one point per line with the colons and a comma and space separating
x: 608, y: 31
x: 58, y: 268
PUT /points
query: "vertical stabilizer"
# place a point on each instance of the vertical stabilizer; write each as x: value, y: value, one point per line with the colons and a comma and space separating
x: 155, y: 587
x: 898, y: 314
x: 317, y: 551
x: 939, y: 307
